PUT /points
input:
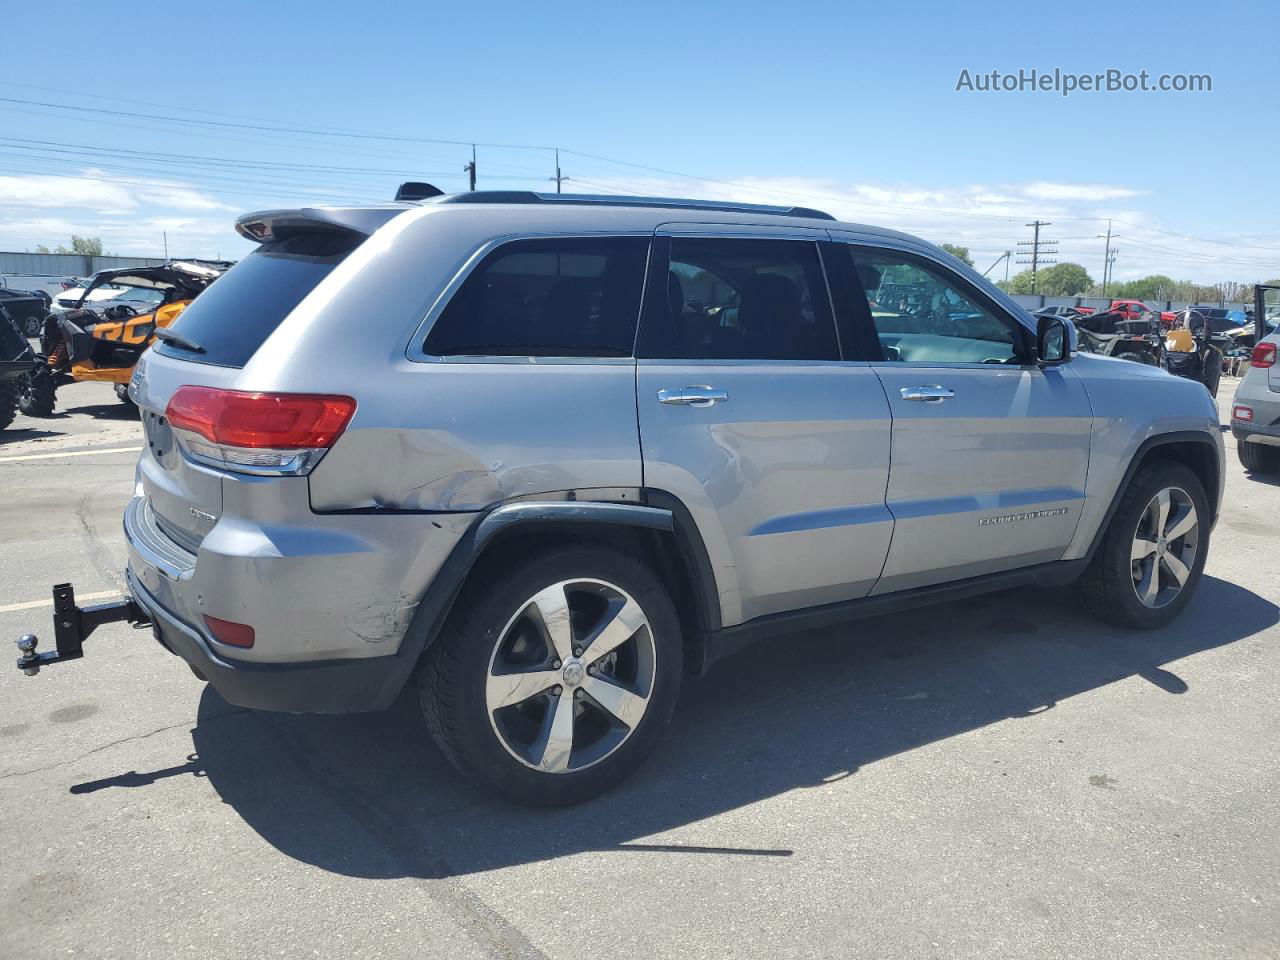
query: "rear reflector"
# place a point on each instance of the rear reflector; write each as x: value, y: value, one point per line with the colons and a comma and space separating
x: 1242, y: 413
x: 279, y: 421
x: 232, y: 634
x: 1264, y: 355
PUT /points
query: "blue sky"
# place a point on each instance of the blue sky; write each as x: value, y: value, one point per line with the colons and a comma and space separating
x: 851, y: 108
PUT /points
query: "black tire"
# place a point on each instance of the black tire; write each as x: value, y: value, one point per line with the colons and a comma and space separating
x: 32, y: 326
x: 1257, y: 458
x: 8, y: 402
x: 454, y: 672
x: 1107, y: 585
x: 37, y: 391
x: 122, y: 394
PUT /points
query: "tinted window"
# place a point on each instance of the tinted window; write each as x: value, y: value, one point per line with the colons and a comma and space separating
x: 240, y: 309
x: 741, y: 300
x: 923, y: 315
x: 563, y: 297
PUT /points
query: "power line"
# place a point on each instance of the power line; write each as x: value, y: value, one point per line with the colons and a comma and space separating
x: 1038, y: 249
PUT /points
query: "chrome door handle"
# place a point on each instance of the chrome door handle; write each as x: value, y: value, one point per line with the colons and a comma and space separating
x: 930, y: 393
x: 699, y: 396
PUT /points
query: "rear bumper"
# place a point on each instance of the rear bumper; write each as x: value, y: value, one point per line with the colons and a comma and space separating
x: 1268, y: 435
x: 318, y: 686
x: 330, y: 598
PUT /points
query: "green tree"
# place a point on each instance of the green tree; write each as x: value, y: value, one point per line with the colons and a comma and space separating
x: 960, y: 253
x: 1154, y: 287
x: 86, y: 246
x: 1063, y: 280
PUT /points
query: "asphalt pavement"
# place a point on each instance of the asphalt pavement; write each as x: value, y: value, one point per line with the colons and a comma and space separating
x: 1000, y: 777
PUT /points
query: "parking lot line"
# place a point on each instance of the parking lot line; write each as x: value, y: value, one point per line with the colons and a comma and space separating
x: 69, y: 453
x: 33, y: 604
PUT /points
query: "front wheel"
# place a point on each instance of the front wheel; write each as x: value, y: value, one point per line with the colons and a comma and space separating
x: 37, y: 391
x: 1150, y: 560
x: 555, y: 676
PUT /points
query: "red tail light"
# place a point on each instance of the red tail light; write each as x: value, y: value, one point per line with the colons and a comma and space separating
x: 258, y: 432
x: 229, y: 632
x: 1264, y: 355
x: 282, y: 421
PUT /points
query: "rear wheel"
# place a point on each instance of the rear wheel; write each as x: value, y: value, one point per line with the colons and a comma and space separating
x: 1257, y: 458
x: 122, y: 394
x: 36, y: 392
x: 1152, y: 554
x: 554, y: 678
x: 8, y: 402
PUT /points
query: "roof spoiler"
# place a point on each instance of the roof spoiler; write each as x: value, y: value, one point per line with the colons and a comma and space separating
x: 416, y: 190
x: 268, y: 225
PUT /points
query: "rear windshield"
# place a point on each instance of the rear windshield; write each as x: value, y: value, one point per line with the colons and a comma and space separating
x: 240, y: 309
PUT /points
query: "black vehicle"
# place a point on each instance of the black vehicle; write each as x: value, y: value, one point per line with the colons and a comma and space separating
x: 1203, y: 361
x: 1110, y: 333
x: 17, y: 362
x: 26, y: 308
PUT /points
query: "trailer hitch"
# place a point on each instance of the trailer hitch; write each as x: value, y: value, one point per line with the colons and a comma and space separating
x: 72, y: 625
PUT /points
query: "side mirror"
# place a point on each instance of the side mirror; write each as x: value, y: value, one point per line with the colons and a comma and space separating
x: 1055, y: 341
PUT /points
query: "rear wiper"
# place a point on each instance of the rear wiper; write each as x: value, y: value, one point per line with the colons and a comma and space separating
x: 178, y: 340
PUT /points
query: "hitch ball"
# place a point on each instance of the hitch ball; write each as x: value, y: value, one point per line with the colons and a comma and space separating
x: 28, y: 662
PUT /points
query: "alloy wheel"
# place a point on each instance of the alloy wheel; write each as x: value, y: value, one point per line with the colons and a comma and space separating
x: 571, y: 675
x: 1164, y: 547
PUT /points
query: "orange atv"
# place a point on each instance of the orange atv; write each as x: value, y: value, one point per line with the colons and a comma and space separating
x: 102, y: 343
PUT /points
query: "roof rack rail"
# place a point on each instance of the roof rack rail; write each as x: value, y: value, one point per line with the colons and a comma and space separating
x: 588, y: 199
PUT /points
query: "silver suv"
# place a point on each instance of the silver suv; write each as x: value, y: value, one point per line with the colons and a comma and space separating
x: 1255, y: 412
x: 541, y: 455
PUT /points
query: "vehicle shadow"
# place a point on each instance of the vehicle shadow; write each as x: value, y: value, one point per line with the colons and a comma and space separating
x: 370, y: 796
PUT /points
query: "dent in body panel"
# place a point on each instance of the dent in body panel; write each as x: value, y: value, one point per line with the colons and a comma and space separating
x: 466, y: 436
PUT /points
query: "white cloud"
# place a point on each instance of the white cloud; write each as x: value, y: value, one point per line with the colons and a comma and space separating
x: 1085, y: 192
x: 130, y: 214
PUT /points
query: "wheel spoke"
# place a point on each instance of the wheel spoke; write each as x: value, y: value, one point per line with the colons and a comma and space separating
x: 552, y: 748
x: 1182, y: 525
x: 553, y: 607
x: 617, y: 631
x: 506, y: 689
x: 1149, y: 586
x: 1162, y: 510
x: 1177, y: 568
x: 623, y: 704
x: 1142, y: 549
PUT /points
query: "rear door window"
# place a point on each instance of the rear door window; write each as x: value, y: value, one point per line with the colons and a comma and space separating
x: 235, y: 315
x: 740, y: 299
x: 554, y: 297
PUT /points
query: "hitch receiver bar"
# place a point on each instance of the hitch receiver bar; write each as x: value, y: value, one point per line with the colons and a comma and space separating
x: 72, y: 624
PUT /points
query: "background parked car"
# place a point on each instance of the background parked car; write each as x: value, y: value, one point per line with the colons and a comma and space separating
x: 1255, y: 412
x: 26, y: 308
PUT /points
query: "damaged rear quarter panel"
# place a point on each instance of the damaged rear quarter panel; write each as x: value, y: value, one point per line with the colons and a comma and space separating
x: 465, y: 436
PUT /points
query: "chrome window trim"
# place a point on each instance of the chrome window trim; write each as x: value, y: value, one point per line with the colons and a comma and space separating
x: 414, y: 347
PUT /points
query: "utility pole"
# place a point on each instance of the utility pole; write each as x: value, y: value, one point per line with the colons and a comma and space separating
x: 1037, y: 251
x: 1106, y: 260
x: 1008, y: 255
x: 470, y: 168
x: 165, y: 234
x: 1005, y: 257
x: 559, y: 178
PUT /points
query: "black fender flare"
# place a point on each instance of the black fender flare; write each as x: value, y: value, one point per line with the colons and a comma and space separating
x: 1152, y: 443
x: 433, y: 609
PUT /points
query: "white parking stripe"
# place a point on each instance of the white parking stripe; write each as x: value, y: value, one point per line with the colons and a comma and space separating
x: 69, y: 453
x: 33, y: 604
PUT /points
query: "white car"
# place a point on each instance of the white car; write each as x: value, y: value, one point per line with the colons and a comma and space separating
x: 1255, y: 412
